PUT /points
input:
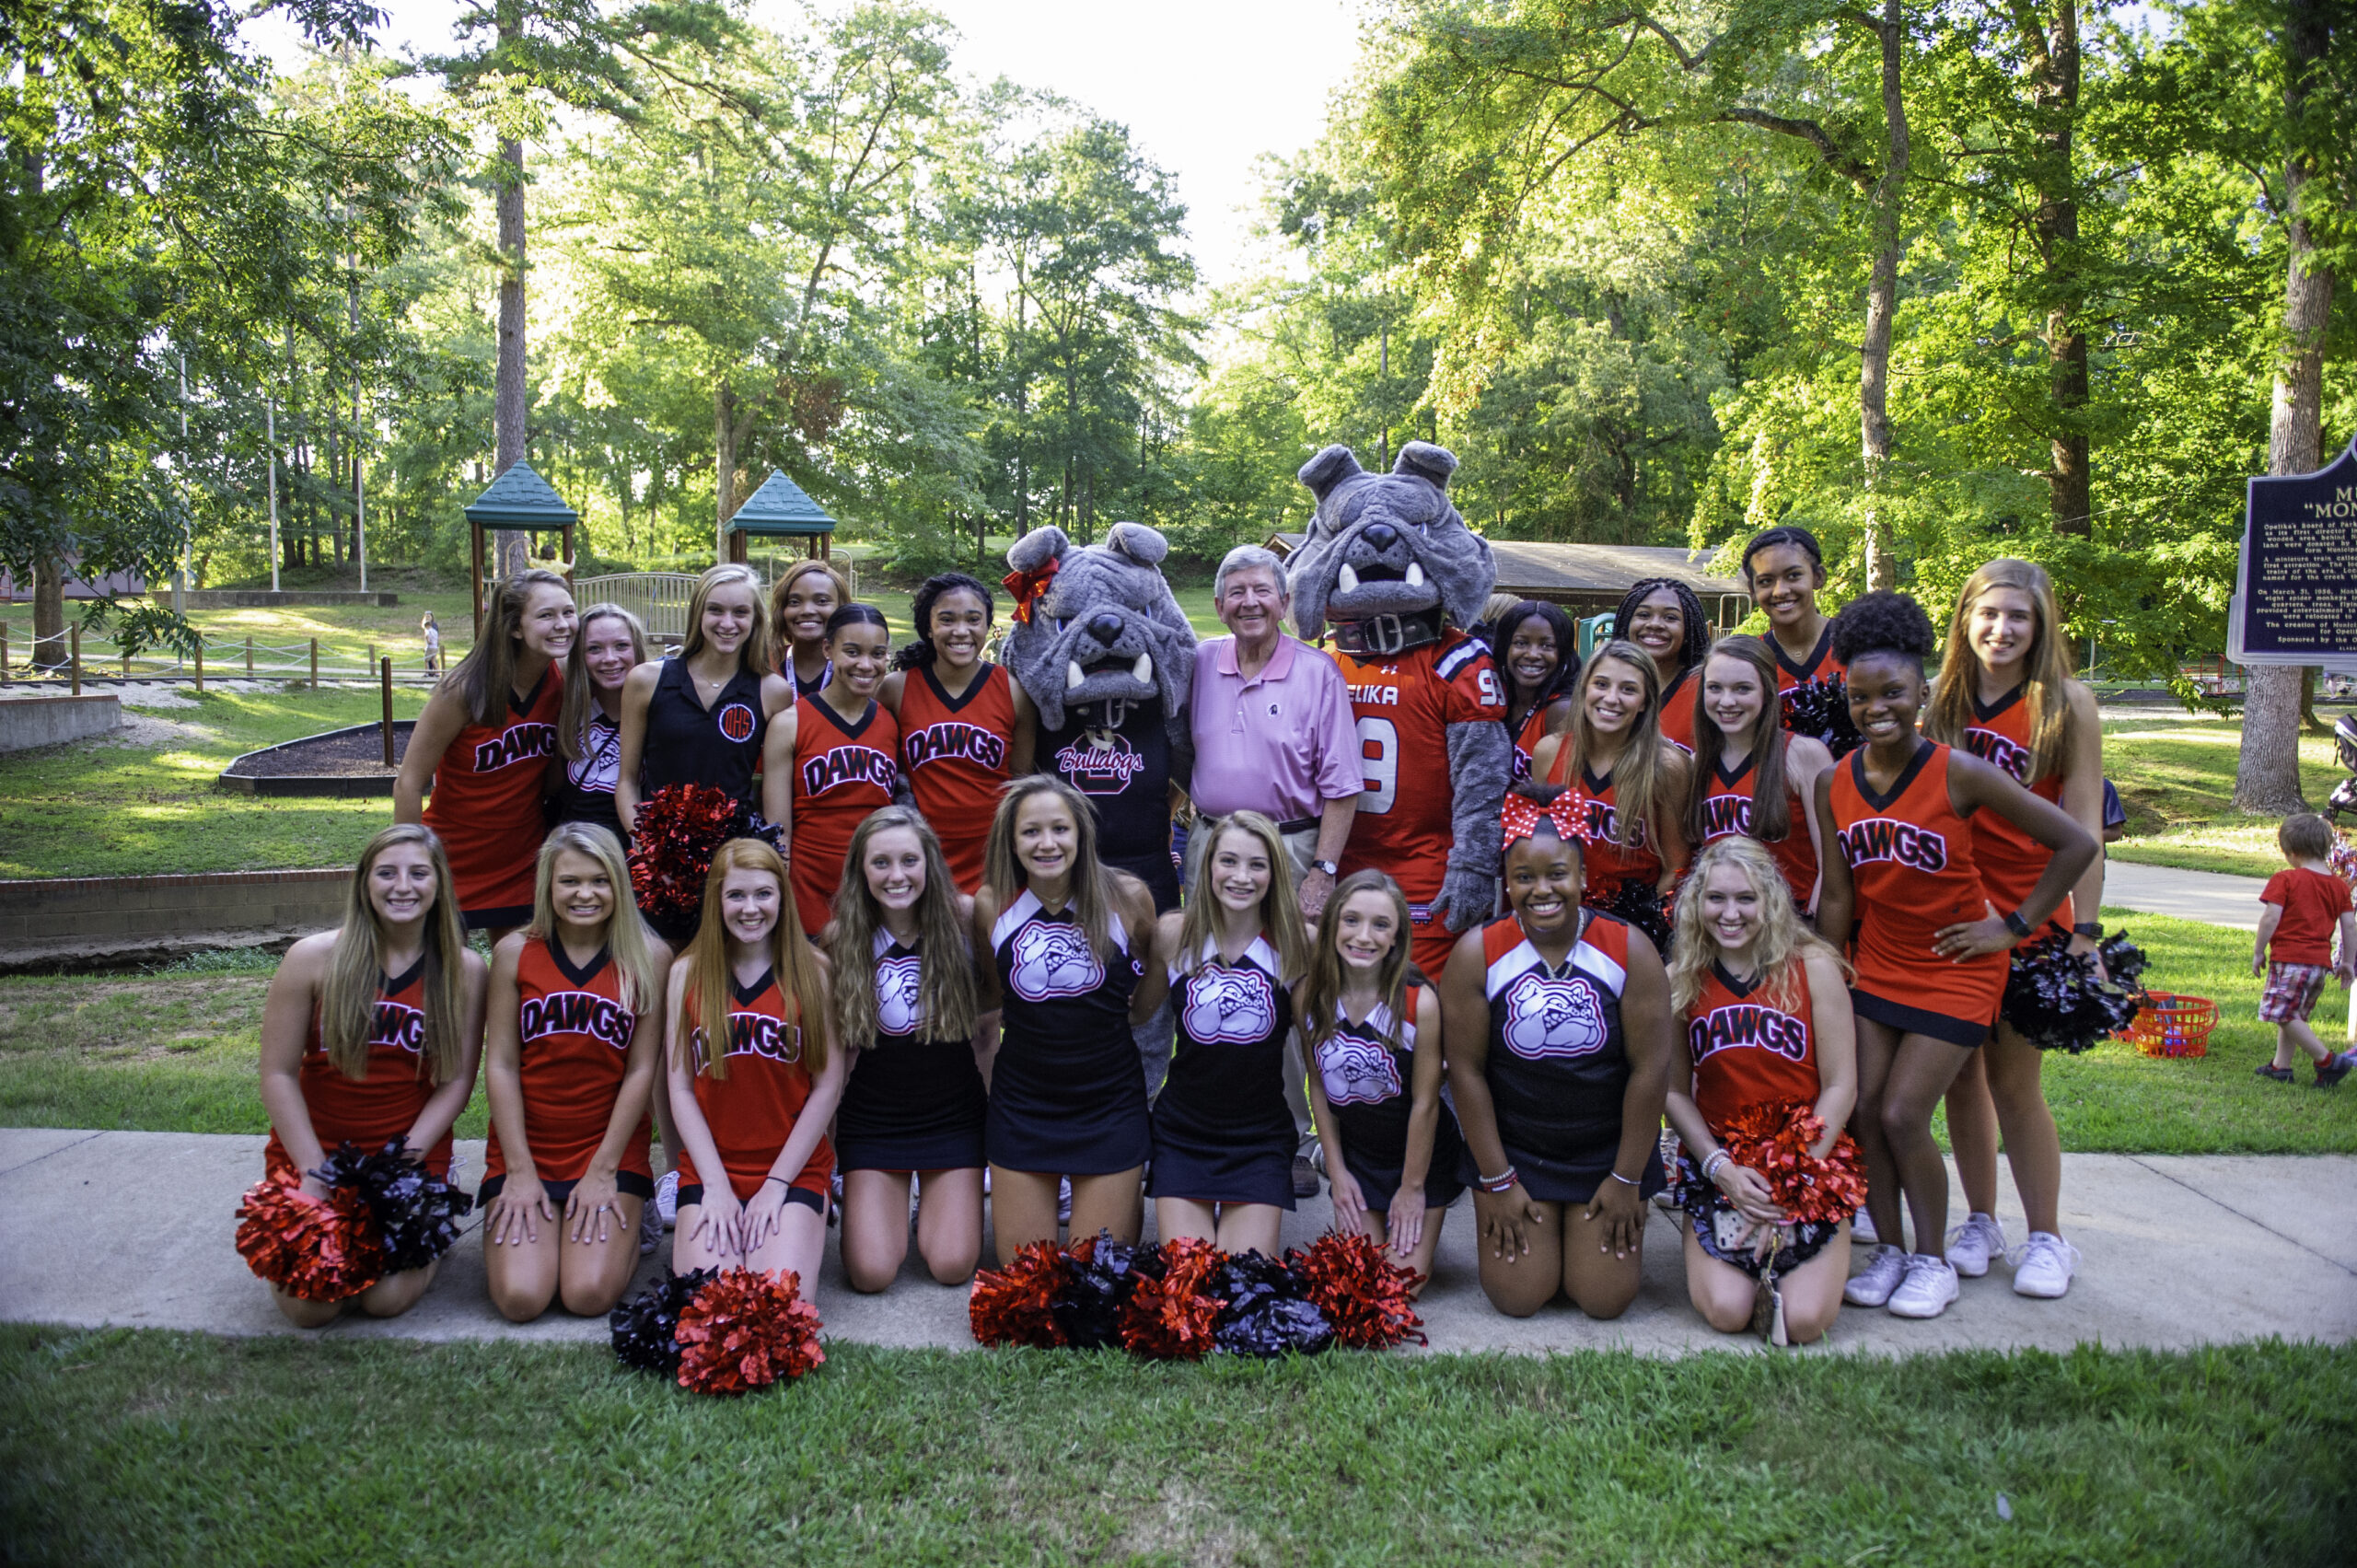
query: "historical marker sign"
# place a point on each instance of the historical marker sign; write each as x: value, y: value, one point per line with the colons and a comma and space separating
x: 2295, y: 592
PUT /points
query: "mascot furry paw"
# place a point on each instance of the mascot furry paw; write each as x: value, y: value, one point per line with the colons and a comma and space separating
x: 1391, y: 566
x: 1105, y: 654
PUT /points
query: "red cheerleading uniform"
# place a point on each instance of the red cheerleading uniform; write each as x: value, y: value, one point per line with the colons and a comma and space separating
x: 1820, y: 664
x: 841, y: 772
x: 2011, y: 861
x: 575, y: 1035
x: 955, y: 752
x: 751, y: 1112
x: 1910, y: 859
x: 1677, y: 714
x: 1726, y: 810
x: 372, y: 1111
x: 1749, y: 1048
x: 1526, y: 740
x: 486, y: 806
x: 1404, y: 704
x: 1604, y: 864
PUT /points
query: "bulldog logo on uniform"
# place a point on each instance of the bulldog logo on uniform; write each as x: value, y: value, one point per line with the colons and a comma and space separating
x: 1237, y: 1006
x: 1553, y: 1018
x: 1357, y: 1072
x: 736, y: 722
x: 898, y: 1011
x: 1054, y: 961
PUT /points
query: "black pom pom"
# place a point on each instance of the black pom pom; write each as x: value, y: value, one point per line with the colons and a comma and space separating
x: 645, y: 1329
x: 1089, y: 1311
x: 2123, y: 961
x: 1638, y: 902
x: 2055, y: 1001
x: 416, y: 1214
x: 1821, y: 709
x: 1267, y: 1314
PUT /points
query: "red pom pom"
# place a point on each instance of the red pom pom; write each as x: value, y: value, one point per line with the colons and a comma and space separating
x: 678, y: 831
x: 316, y: 1252
x: 1016, y: 1306
x: 1775, y: 1139
x: 1369, y: 1299
x: 1171, y: 1317
x: 744, y: 1330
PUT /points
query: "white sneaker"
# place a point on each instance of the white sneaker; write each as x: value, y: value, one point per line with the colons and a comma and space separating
x: 1872, y: 1285
x: 1861, y: 1229
x: 1972, y: 1244
x: 1063, y: 1199
x: 1928, y: 1288
x: 2043, y: 1266
x: 665, y: 1206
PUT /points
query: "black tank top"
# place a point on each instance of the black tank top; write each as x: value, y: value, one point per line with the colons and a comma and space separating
x: 588, y: 793
x: 688, y: 743
x: 1125, y: 773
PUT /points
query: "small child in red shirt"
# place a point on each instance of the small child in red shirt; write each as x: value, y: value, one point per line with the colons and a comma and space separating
x: 2299, y: 908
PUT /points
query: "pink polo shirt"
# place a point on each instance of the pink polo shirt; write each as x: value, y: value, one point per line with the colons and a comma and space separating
x: 1283, y: 742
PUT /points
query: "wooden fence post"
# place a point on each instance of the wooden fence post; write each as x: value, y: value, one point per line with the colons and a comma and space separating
x: 386, y: 686
x: 73, y: 635
x: 3, y: 650
x: 249, y: 653
x: 200, y: 665
x: 314, y: 664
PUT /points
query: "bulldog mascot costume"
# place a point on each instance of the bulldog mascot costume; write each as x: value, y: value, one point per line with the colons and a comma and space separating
x: 1392, y: 568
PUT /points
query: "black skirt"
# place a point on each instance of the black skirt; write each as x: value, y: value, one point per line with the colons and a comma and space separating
x: 1703, y: 1203
x: 911, y: 1105
x: 1379, y: 1183
x: 1221, y: 1159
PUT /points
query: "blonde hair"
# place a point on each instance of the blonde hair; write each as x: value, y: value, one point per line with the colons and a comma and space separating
x: 794, y: 574
x: 356, y: 975
x: 1280, y: 920
x: 704, y: 996
x: 2046, y: 668
x: 1649, y: 776
x: 1092, y: 885
x: 573, y: 720
x: 625, y: 938
x: 484, y: 678
x: 755, y: 655
x: 1776, y: 952
x: 1321, y: 988
x: 945, y: 969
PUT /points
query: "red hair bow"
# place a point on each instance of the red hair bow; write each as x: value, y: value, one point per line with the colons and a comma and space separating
x: 1026, y: 586
x: 1523, y: 816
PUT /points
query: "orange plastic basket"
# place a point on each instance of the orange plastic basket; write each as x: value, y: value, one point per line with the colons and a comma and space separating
x: 2170, y: 1024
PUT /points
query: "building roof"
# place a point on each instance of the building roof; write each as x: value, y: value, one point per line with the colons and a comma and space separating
x: 521, y: 499
x: 1596, y: 571
x: 780, y: 506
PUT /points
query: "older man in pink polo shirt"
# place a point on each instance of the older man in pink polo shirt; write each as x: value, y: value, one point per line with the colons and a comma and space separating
x: 1273, y: 724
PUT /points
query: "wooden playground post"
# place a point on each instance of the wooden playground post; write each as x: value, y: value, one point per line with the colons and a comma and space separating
x: 73, y: 637
x: 314, y: 664
x: 200, y: 666
x: 385, y: 677
x: 249, y: 653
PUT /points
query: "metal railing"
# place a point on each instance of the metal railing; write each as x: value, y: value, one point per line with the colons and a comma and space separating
x: 659, y: 599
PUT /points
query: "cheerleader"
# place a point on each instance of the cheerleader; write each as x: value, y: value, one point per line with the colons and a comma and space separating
x: 1764, y: 1016
x: 1752, y: 777
x: 1784, y: 569
x: 752, y: 1117
x: 1537, y: 646
x: 611, y: 645
x: 2006, y: 695
x: 904, y: 1000
x: 1662, y: 616
x: 1067, y: 1085
x: 1224, y: 1136
x: 1628, y: 783
x: 700, y: 718
x: 372, y: 1032
x: 1557, y: 1019
x: 574, y: 1029
x: 1902, y: 870
x: 800, y: 605
x: 832, y: 761
x: 483, y: 746
x: 1372, y: 1025
x: 966, y: 727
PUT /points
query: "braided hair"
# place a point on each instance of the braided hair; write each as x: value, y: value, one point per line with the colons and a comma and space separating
x: 919, y: 652
x: 1690, y: 611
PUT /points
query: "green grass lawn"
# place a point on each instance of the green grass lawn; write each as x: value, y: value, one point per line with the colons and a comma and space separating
x: 179, y: 1052
x: 119, y: 807
x: 122, y: 1447
x: 2175, y: 774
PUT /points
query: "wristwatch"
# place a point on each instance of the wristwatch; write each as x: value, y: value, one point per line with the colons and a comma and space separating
x: 1328, y: 866
x: 2015, y: 924
x: 2091, y: 930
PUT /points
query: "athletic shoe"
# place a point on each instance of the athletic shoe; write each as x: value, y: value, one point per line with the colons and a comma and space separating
x: 1305, y: 1176
x: 1872, y: 1285
x: 2043, y: 1266
x: 2269, y: 1070
x: 2334, y: 1068
x: 1972, y: 1244
x: 1063, y: 1199
x: 1861, y: 1229
x: 1926, y: 1290
x: 665, y: 1206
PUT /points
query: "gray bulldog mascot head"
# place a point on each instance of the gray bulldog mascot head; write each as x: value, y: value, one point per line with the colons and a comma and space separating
x: 1387, y: 558
x: 1096, y: 624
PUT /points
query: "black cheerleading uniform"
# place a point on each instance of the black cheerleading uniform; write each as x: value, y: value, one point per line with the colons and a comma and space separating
x: 1126, y: 775
x: 1558, y: 1066
x: 1068, y: 1090
x: 688, y: 743
x: 1223, y: 1133
x: 588, y: 793
x: 1369, y: 1085
x: 914, y: 1101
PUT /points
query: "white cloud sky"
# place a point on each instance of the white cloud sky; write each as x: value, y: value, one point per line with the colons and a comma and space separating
x: 1205, y: 86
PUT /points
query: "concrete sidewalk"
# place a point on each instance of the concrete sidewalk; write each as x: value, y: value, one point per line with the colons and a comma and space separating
x: 2178, y: 1251
x: 2212, y: 896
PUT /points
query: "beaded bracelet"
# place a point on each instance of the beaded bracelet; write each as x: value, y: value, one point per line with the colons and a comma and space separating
x: 1711, y: 1166
x: 1495, y: 1184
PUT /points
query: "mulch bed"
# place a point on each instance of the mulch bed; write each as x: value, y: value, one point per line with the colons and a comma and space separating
x: 339, y: 756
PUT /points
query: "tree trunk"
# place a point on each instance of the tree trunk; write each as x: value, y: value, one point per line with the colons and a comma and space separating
x: 1882, y: 303
x: 2054, y: 97
x: 724, y: 461
x: 49, y: 612
x: 511, y: 550
x: 2267, y: 775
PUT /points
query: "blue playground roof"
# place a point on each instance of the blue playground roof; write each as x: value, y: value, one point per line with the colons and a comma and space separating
x: 781, y: 506
x: 521, y: 499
